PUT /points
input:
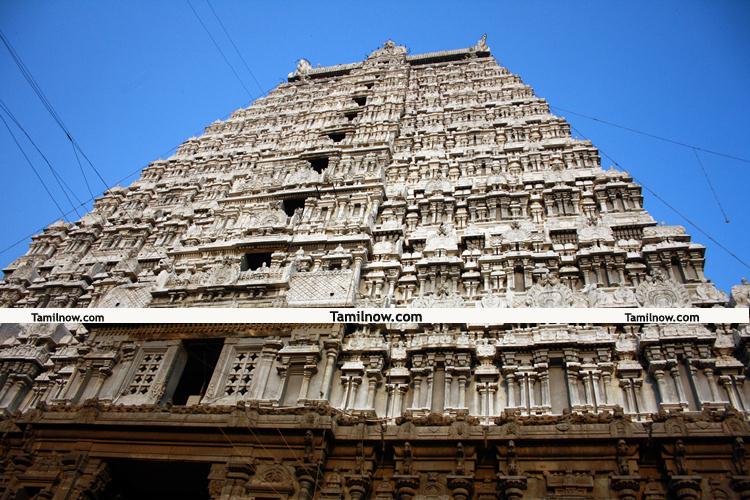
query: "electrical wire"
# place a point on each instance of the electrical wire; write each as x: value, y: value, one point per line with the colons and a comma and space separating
x: 123, y: 179
x: 80, y: 167
x: 669, y: 205
x: 41, y: 181
x: 46, y: 103
x: 60, y: 181
x: 653, y: 136
x: 226, y: 60
x: 231, y: 40
x: 711, y: 186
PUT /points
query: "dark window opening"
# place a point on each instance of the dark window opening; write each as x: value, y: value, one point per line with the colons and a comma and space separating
x: 291, y: 204
x: 202, y: 356
x: 351, y: 116
x: 253, y: 261
x: 369, y: 85
x: 28, y: 492
x: 360, y: 100
x: 337, y: 136
x: 157, y: 480
x: 319, y: 164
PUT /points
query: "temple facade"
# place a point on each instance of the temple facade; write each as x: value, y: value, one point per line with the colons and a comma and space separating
x: 428, y: 180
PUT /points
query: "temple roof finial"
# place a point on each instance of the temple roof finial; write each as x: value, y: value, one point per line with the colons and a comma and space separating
x: 481, y: 45
x: 303, y: 69
x: 389, y: 48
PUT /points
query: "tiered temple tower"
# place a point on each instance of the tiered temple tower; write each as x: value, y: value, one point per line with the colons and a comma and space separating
x: 430, y: 180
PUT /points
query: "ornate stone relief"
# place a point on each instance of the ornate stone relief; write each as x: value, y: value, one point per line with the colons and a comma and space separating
x: 660, y: 291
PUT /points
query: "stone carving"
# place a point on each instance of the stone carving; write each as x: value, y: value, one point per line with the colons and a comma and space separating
x: 707, y: 292
x: 302, y: 70
x: 443, y: 239
x: 594, y: 231
x: 660, y: 291
x: 126, y: 296
x: 481, y: 45
x: 620, y: 297
x: 741, y: 294
x: 321, y: 288
x: 549, y: 292
x: 389, y: 49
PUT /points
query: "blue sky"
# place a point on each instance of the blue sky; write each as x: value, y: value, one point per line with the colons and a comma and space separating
x: 131, y: 80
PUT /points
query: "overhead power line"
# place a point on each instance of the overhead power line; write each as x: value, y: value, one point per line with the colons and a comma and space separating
x: 231, y: 40
x: 226, y: 60
x: 46, y: 103
x: 653, y: 136
x: 670, y: 206
x: 60, y: 181
x: 39, y: 177
x: 123, y: 179
x: 711, y: 186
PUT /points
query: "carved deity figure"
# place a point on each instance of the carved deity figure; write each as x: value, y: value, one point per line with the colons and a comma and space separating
x: 309, y: 446
x: 738, y: 456
x: 622, y: 458
x: 680, y: 461
x: 303, y: 68
x: 511, y: 460
x: 408, y: 459
x: 460, y: 457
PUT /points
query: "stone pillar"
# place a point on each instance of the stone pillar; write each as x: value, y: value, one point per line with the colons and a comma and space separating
x: 461, y: 486
x: 523, y: 401
x: 416, y: 398
x: 401, y: 391
x: 544, y: 385
x: 511, y: 378
x: 597, y: 391
x: 529, y: 377
x: 325, y: 384
x: 610, y: 397
x: 637, y: 385
x: 481, y: 389
x: 372, y: 383
x: 712, y: 388
x: 664, y: 392
x: 16, y: 387
x: 356, y: 381
x: 267, y: 358
x: 573, y: 388
x: 587, y: 389
x: 430, y: 379
x: 739, y: 381
x: 395, y: 392
x: 447, y: 393
x: 347, y: 383
x: 306, y: 475
x: 491, y: 390
x: 629, y: 402
x: 674, y: 371
x: 307, y: 373
x: 727, y: 382
x: 462, y: 391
